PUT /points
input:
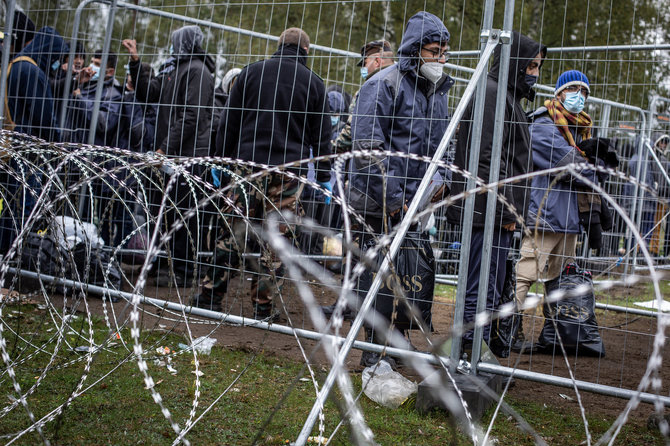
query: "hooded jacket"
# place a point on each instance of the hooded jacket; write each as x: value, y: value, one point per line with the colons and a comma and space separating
x: 184, y: 95
x: 398, y: 110
x: 80, y: 112
x: 277, y: 110
x: 30, y: 99
x: 516, y: 151
x: 559, y: 212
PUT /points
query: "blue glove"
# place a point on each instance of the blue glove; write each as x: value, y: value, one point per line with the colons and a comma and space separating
x: 329, y: 187
x: 216, y: 177
x: 220, y: 175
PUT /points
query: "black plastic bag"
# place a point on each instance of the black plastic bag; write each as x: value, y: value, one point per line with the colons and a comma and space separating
x: 103, y: 271
x: 40, y: 254
x: 504, y: 330
x: 574, y: 315
x: 414, y: 268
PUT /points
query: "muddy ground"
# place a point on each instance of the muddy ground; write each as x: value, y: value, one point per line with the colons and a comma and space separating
x: 628, y: 341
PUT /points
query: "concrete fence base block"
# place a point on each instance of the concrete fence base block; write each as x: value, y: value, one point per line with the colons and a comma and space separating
x: 430, y: 390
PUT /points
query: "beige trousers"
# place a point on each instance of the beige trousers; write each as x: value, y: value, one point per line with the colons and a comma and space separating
x: 551, y: 253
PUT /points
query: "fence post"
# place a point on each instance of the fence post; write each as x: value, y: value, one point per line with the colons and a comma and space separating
x: 103, y: 67
x: 9, y: 24
x: 640, y: 175
x: 469, y: 206
x: 494, y: 175
x: 98, y: 93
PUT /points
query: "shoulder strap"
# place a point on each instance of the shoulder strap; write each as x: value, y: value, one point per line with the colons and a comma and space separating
x: 9, y: 123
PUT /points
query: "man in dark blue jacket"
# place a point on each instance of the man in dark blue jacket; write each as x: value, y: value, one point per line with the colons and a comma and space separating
x: 403, y: 108
x: 29, y: 96
x: 30, y: 109
x: 524, y: 68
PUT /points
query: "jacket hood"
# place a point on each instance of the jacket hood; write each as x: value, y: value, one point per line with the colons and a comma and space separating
x: 523, y: 51
x: 422, y: 28
x: 186, y: 45
x: 292, y: 50
x: 657, y: 137
x: 46, y: 48
x: 336, y: 102
x: 187, y: 40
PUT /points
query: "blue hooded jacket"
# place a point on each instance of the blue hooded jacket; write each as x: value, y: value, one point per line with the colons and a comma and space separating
x: 398, y: 110
x: 560, y: 212
x: 30, y: 100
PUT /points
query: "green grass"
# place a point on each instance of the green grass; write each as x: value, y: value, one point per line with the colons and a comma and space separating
x: 266, y: 398
x: 445, y: 293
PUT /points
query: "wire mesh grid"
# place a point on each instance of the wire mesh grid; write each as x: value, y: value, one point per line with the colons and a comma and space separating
x: 188, y: 186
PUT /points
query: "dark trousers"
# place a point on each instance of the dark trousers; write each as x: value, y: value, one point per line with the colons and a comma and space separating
x: 257, y: 199
x: 184, y: 243
x: 501, y: 244
x: 18, y: 201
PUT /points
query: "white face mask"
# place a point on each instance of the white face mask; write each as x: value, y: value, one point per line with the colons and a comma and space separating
x: 432, y: 71
x: 96, y: 71
x: 574, y: 102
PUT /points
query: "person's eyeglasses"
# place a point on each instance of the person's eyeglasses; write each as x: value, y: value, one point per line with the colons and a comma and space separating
x: 437, y: 53
x: 576, y: 88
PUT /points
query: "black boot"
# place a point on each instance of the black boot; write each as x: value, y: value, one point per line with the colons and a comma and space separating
x: 207, y: 299
x: 348, y: 314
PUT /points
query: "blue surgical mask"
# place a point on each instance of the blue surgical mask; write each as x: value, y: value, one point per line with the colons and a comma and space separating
x: 96, y: 72
x: 334, y: 120
x: 55, y: 65
x: 531, y: 79
x: 574, y: 102
x: 364, y: 72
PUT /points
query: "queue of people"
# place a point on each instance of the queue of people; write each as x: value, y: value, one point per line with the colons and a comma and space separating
x: 277, y: 111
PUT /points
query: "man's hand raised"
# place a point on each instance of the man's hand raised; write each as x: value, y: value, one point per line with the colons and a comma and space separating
x: 131, y: 46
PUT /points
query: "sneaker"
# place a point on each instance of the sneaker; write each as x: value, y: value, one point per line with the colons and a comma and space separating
x: 521, y: 346
x: 329, y: 310
x: 265, y: 313
x: 370, y: 359
x: 202, y: 300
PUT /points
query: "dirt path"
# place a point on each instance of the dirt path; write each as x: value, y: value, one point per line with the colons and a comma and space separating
x: 628, y: 345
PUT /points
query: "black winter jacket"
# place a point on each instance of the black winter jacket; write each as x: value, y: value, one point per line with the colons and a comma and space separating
x: 184, y: 96
x: 276, y: 111
x: 516, y: 151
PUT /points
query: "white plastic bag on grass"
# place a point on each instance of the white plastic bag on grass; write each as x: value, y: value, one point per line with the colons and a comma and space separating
x: 385, y: 386
x: 203, y: 345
